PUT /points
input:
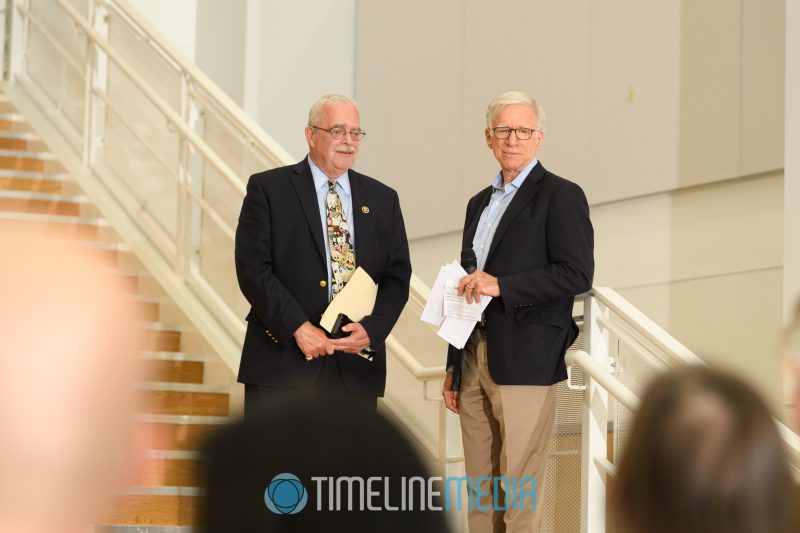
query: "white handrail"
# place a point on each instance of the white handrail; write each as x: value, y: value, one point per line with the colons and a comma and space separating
x: 644, y: 325
x: 276, y: 151
x: 412, y: 364
x: 173, y: 118
x: 601, y: 375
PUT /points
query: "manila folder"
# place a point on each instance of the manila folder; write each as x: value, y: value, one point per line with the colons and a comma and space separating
x: 356, y: 300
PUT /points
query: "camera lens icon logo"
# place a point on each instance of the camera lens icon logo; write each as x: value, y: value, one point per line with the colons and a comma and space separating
x: 285, y: 494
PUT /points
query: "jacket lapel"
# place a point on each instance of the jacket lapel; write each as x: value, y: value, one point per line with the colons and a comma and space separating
x: 523, y: 196
x: 362, y: 220
x: 303, y: 184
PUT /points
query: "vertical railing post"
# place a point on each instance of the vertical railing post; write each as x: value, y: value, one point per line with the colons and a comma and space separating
x: 16, y: 39
x: 595, y: 426
x: 7, y: 29
x: 190, y: 180
x: 457, y: 514
x: 96, y: 80
x: 443, y: 452
x: 183, y: 223
x: 88, y: 88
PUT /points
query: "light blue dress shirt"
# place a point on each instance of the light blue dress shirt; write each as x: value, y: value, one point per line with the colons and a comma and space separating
x: 498, y: 203
x: 344, y: 191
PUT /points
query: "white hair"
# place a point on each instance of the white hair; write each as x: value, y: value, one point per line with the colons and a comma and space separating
x: 315, y: 113
x: 514, y: 97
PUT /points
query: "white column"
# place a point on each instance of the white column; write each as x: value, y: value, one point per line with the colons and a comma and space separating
x: 791, y: 228
x: 252, y: 57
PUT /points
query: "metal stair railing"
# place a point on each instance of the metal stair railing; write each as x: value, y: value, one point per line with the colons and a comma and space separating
x: 162, y: 151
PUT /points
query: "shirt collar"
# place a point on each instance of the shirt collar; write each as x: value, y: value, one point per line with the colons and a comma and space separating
x: 321, y: 180
x: 516, y: 183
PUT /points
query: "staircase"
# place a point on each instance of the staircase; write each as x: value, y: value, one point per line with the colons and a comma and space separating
x: 181, y: 408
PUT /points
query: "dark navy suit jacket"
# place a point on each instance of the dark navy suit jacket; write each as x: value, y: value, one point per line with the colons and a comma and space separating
x: 281, y: 264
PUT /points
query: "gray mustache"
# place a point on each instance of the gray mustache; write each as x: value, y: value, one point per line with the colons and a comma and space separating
x: 345, y: 149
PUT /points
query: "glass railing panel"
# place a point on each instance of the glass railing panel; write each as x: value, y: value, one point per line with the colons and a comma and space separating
x: 218, y: 192
x: 82, y: 6
x: 55, y: 55
x: 156, y: 71
x: 141, y: 151
x: 217, y: 268
x: 232, y: 142
x: 215, y: 258
x: 56, y: 23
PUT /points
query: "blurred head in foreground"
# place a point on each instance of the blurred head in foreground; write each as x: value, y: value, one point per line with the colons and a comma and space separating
x: 67, y: 361
x: 298, y: 465
x: 704, y: 455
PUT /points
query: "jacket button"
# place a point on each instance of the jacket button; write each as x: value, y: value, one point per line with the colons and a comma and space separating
x: 323, y: 283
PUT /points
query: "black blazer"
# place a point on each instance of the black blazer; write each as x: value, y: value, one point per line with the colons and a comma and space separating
x: 542, y: 255
x: 281, y: 267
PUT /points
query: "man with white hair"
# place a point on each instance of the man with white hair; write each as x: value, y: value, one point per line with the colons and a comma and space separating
x: 531, y: 234
x: 302, y: 232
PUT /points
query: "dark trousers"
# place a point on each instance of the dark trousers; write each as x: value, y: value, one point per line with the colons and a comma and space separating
x: 330, y: 380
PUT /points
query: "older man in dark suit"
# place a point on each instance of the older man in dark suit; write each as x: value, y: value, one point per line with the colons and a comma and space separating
x: 302, y: 231
x: 531, y: 233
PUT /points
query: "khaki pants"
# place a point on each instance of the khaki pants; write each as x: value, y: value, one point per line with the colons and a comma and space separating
x: 506, y: 431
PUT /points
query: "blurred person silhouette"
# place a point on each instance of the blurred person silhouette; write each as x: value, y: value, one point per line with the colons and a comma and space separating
x: 67, y: 362
x: 704, y: 455
x: 790, y: 346
x: 296, y: 464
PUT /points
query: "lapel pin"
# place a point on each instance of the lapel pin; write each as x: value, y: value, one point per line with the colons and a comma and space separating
x: 364, y: 209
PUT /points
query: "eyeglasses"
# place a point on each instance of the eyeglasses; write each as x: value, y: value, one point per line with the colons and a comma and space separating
x: 338, y: 133
x: 523, y: 134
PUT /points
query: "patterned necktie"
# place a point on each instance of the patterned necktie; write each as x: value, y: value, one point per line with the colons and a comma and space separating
x: 343, y: 256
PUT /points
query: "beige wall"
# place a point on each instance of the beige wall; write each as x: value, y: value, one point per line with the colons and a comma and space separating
x: 791, y: 278
x: 641, y: 96
x: 669, y: 114
x: 731, y: 94
x: 705, y: 263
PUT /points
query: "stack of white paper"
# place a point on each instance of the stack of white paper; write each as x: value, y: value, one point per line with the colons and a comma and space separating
x: 449, y: 312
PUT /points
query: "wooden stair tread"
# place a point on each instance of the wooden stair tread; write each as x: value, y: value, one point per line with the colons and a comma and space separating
x: 21, y: 205
x: 185, y: 402
x: 182, y: 433
x: 29, y: 184
x: 174, y: 371
x: 154, y: 509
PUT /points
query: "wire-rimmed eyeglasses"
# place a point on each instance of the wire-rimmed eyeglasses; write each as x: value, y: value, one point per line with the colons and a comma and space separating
x: 339, y: 133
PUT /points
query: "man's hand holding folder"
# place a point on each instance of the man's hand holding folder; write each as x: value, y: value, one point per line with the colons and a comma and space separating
x: 355, y: 301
